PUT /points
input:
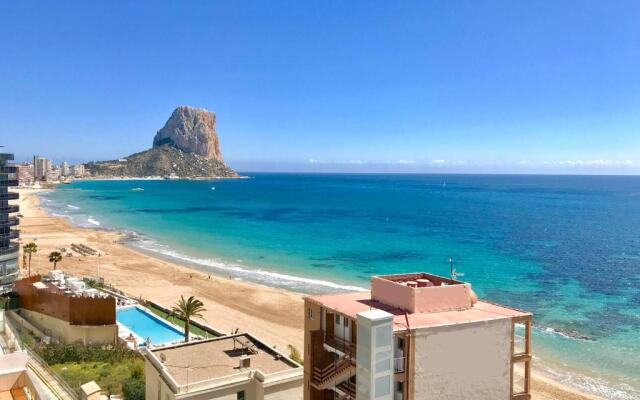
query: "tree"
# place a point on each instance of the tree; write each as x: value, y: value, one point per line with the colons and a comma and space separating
x: 187, y: 309
x: 55, y: 257
x: 30, y: 249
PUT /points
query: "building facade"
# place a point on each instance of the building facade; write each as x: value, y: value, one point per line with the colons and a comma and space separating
x: 415, y: 336
x: 9, y: 247
x: 41, y: 167
x: 60, y: 307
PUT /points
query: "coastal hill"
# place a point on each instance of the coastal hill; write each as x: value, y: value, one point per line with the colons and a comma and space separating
x: 186, y: 147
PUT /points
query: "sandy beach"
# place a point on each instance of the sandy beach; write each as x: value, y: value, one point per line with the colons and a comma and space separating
x: 274, y: 315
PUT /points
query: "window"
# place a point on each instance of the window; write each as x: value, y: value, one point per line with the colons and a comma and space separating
x: 346, y: 323
x: 310, y: 313
x: 400, y: 343
x: 338, y: 319
x: 240, y: 395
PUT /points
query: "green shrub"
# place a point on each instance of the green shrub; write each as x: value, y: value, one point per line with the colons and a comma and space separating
x: 133, y: 388
x: 55, y: 353
x: 294, y: 354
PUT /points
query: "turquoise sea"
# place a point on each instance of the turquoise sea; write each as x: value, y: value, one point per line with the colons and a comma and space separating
x: 565, y: 247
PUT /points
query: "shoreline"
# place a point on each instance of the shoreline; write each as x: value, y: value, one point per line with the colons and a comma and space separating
x: 273, y: 314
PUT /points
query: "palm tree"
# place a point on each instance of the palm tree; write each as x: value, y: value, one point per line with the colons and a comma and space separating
x: 55, y: 257
x: 187, y: 309
x: 30, y: 249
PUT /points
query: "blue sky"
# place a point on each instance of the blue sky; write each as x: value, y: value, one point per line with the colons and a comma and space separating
x: 430, y: 86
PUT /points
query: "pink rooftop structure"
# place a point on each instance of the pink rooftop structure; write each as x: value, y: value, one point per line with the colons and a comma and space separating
x: 437, y: 327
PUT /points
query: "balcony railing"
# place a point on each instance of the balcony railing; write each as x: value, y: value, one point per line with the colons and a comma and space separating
x: 9, y: 209
x: 340, y: 344
x: 12, y: 234
x: 13, y: 221
x: 9, y: 196
x: 399, y: 364
x: 9, y: 182
x: 12, y: 248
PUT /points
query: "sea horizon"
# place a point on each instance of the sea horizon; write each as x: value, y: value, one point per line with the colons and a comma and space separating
x: 328, y: 232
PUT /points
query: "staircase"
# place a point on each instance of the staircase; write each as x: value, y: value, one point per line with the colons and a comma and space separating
x: 347, y: 387
x: 334, y: 373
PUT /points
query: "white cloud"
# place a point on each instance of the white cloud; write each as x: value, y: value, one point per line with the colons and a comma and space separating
x: 591, y: 163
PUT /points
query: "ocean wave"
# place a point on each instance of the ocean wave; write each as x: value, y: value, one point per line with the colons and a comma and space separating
x: 93, y: 221
x: 600, y: 387
x: 238, y: 271
x: 71, y: 206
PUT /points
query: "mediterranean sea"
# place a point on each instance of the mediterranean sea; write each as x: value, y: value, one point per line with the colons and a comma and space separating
x: 566, y: 248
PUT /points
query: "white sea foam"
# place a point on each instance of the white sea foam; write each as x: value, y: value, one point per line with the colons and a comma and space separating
x: 241, y: 272
x: 588, y: 384
x: 93, y: 221
x: 71, y: 206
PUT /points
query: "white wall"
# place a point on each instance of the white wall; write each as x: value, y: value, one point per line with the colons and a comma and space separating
x: 466, y: 361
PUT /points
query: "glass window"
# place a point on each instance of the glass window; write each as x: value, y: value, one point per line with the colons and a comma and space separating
x: 383, y: 336
x: 310, y: 313
x: 383, y: 361
x: 383, y: 386
x: 240, y: 395
x: 346, y: 323
x: 338, y: 319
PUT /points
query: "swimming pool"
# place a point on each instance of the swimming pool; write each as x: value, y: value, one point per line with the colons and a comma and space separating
x: 148, y: 326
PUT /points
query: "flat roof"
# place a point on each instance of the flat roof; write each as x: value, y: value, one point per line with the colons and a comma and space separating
x: 350, y: 304
x: 219, y: 357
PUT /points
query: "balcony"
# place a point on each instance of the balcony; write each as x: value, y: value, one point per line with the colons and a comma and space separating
x: 12, y: 234
x: 9, y: 209
x: 13, y: 221
x: 12, y: 248
x: 399, y: 364
x: 340, y: 345
x: 9, y: 196
x: 8, y: 182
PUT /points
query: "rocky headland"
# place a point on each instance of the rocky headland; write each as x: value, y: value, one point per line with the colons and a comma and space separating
x: 186, y: 147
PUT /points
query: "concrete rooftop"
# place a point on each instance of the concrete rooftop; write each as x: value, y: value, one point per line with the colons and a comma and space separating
x: 220, y: 357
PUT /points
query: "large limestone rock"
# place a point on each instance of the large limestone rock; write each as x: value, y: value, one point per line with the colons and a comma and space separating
x: 186, y: 147
x: 192, y: 130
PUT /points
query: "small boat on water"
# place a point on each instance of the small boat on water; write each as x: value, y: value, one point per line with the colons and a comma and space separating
x: 137, y: 189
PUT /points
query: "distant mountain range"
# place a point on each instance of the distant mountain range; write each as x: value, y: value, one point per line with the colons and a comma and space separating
x: 186, y: 147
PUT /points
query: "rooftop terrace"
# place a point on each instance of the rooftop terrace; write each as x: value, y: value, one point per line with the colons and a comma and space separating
x: 207, y: 360
x: 418, y: 300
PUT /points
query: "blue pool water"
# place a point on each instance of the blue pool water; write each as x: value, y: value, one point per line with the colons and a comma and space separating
x: 566, y: 248
x: 146, y: 326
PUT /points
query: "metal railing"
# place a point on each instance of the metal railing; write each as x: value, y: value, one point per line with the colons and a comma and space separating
x: 9, y: 196
x: 340, y: 344
x: 13, y: 248
x: 399, y: 364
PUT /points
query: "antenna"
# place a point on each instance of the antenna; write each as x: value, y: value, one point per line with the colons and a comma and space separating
x: 454, y: 274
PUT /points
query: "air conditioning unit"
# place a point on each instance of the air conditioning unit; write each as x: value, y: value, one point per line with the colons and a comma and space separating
x: 245, y: 362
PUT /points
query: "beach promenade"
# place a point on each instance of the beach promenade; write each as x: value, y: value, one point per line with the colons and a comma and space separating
x: 273, y: 314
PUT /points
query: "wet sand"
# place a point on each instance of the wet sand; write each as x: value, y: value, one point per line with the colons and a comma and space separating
x: 274, y: 315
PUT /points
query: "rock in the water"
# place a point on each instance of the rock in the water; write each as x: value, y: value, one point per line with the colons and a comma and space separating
x: 192, y: 130
x: 186, y: 147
